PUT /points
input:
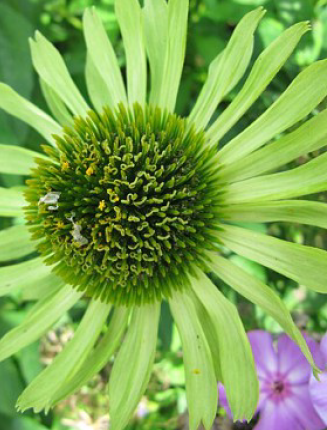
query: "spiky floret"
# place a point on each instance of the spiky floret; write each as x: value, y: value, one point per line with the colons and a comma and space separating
x: 127, y: 203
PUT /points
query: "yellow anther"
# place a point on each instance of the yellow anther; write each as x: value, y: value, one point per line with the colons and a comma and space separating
x: 102, y: 205
x: 65, y: 166
x: 60, y: 224
x: 116, y: 199
x: 89, y: 171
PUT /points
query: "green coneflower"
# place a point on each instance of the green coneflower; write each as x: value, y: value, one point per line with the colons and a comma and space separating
x: 131, y: 205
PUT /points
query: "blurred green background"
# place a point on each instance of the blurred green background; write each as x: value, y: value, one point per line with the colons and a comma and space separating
x: 211, y: 24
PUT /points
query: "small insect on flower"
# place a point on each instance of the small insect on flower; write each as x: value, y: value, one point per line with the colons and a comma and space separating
x: 50, y: 199
x: 152, y: 202
x: 76, y: 233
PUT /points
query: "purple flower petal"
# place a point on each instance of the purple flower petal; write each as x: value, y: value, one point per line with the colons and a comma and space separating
x: 276, y: 416
x: 291, y: 361
x: 222, y: 399
x: 265, y: 356
x: 323, y: 348
x: 300, y: 405
x: 318, y: 392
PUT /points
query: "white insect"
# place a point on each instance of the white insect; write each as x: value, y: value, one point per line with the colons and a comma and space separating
x: 76, y: 233
x: 51, y: 199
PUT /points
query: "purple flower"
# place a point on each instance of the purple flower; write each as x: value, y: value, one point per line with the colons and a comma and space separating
x: 318, y: 390
x: 284, y: 374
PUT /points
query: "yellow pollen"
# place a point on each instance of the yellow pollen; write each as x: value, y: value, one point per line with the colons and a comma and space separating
x: 89, y: 171
x: 102, y: 205
x: 65, y: 166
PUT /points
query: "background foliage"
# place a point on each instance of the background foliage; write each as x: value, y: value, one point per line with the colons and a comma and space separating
x: 211, y: 24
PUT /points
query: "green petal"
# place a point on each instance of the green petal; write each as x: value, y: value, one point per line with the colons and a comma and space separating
x: 56, y: 105
x: 311, y: 136
x: 41, y: 392
x: 17, y: 160
x: 307, y: 90
x: 99, y: 357
x: 174, y: 53
x: 24, y: 275
x: 227, y: 69
x: 307, y: 179
x: 11, y: 202
x: 265, y: 68
x: 236, y: 360
x: 17, y: 106
x: 15, y: 243
x: 96, y: 87
x: 129, y: 15
x: 261, y: 295
x: 51, y: 67
x: 303, y: 264
x: 201, y: 385
x: 210, y: 334
x: 155, y: 15
x: 40, y: 318
x: 296, y: 211
x: 133, y: 364
x: 103, y: 56
x: 42, y: 288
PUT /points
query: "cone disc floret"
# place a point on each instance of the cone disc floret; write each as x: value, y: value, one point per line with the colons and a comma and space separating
x: 126, y: 204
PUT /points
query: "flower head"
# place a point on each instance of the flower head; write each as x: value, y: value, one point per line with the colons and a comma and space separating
x: 284, y: 375
x: 132, y: 204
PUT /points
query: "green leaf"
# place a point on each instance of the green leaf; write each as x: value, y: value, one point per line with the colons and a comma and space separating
x: 103, y: 56
x: 311, y: 136
x: 17, y: 160
x: 51, y: 67
x: 11, y: 387
x: 97, y: 87
x: 261, y: 295
x: 42, y: 391
x: 295, y: 211
x: 269, y: 29
x: 11, y: 202
x: 129, y: 15
x: 25, y: 276
x: 201, y: 385
x: 15, y: 243
x: 99, y: 357
x: 56, y: 105
x: 155, y: 14
x: 21, y: 423
x: 303, y: 264
x: 165, y: 327
x: 41, y: 317
x: 15, y: 29
x: 130, y: 377
x: 29, y: 362
x: 307, y: 179
x: 227, y: 69
x: 236, y: 360
x: 249, y: 266
x: 307, y: 90
x: 21, y: 108
x: 174, y: 53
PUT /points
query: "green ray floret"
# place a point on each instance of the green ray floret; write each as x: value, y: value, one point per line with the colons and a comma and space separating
x: 128, y: 202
